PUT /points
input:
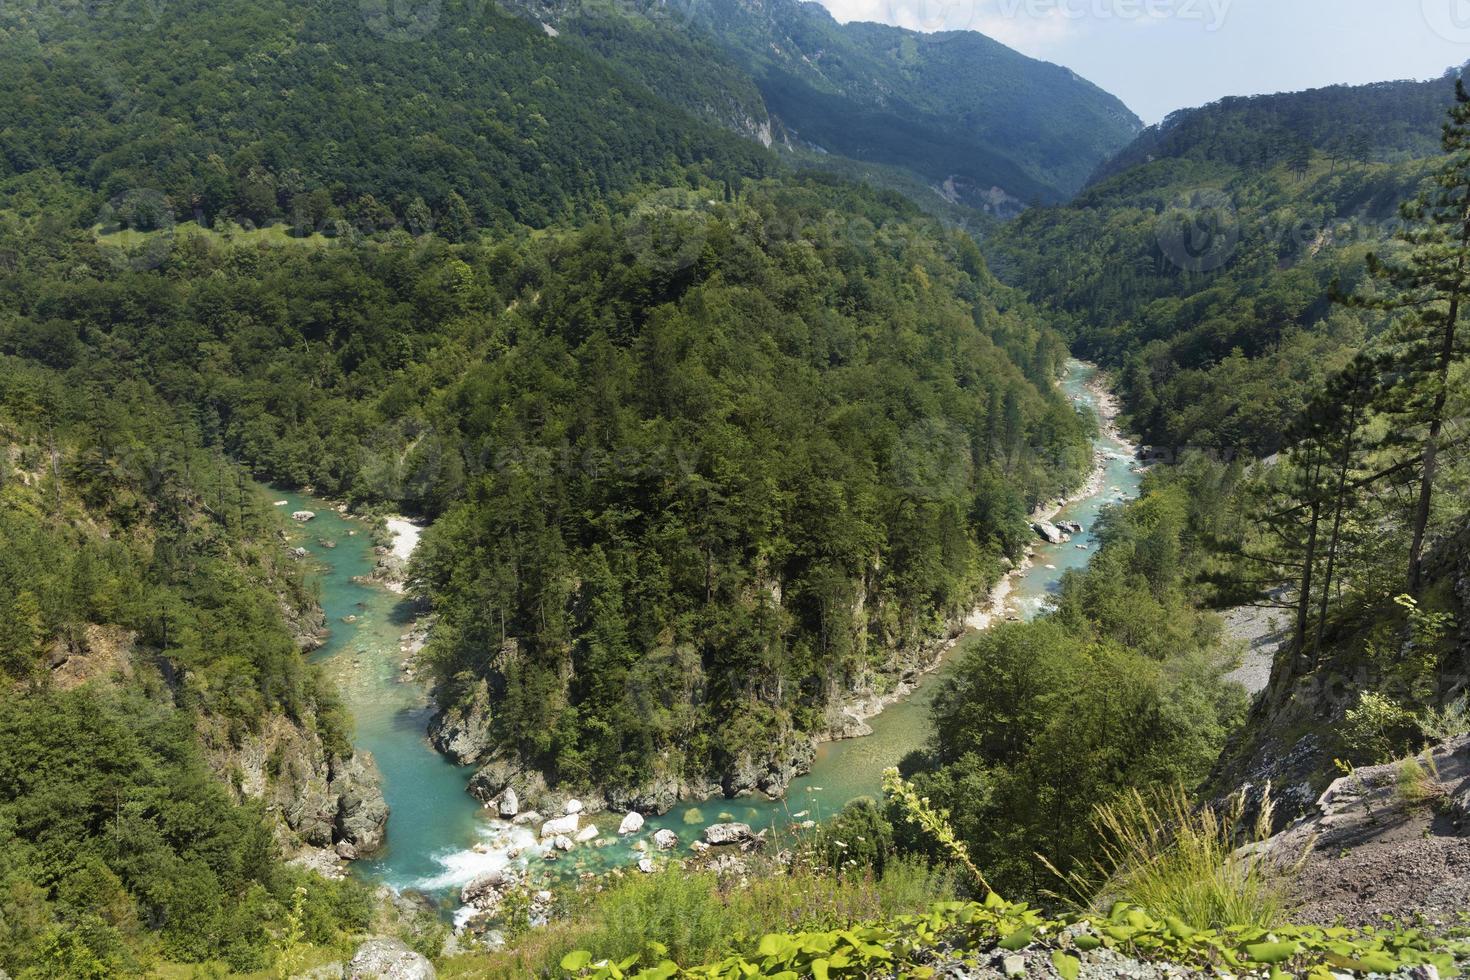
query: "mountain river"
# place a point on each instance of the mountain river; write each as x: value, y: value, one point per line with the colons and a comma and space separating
x: 439, y: 837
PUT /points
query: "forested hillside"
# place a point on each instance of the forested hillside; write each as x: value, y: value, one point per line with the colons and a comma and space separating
x: 792, y: 437
x: 150, y: 633
x: 314, y: 113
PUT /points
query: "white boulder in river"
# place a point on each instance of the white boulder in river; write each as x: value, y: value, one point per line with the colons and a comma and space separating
x: 665, y: 839
x: 726, y: 833
x: 508, y: 804
x: 586, y: 833
x: 631, y: 824
x: 561, y: 825
x: 302, y: 515
x: 1049, y: 531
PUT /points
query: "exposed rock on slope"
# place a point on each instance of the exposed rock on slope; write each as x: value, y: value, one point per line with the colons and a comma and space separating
x: 1386, y: 840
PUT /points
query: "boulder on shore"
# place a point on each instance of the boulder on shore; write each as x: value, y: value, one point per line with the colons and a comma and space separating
x: 1049, y: 531
x: 389, y: 959
x: 631, y: 824
x: 486, y: 891
x: 507, y: 805
x: 572, y: 806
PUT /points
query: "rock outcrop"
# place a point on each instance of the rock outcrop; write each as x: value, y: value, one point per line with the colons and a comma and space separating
x: 462, y: 732
x: 323, y: 801
x: 362, y: 813
x: 388, y: 959
x: 770, y: 773
x: 1385, y: 840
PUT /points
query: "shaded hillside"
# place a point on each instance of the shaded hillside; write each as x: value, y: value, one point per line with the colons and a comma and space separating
x: 1200, y: 262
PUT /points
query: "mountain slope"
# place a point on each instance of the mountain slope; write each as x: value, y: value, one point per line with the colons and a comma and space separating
x: 955, y: 108
x: 1200, y: 260
x: 264, y: 111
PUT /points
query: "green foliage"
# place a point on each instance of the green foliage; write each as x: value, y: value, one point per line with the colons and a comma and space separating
x: 859, y: 839
x: 697, y: 916
x: 1119, y: 689
x: 1378, y: 729
x: 1451, y: 721
x: 906, y: 945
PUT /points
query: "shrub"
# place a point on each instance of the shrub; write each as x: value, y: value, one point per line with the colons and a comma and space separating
x: 1379, y: 729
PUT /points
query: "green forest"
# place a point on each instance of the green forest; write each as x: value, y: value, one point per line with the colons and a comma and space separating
x: 672, y: 330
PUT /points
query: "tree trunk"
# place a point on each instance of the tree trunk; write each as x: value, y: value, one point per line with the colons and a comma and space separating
x: 1436, y: 422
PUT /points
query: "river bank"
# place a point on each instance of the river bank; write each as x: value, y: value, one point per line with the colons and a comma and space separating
x: 994, y: 607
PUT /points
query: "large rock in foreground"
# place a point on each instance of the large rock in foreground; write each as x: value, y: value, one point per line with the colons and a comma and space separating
x: 389, y: 959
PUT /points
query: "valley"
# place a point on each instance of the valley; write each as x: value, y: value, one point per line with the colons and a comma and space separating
x: 649, y: 489
x: 439, y: 838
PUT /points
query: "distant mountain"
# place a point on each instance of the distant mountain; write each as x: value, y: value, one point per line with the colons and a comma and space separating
x: 471, y: 114
x: 978, y: 122
x: 1384, y: 121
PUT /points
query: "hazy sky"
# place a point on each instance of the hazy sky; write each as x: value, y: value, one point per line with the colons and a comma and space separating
x: 1161, y: 55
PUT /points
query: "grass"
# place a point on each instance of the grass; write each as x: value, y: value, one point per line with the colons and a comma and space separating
x: 701, y: 917
x: 1176, y: 860
x: 128, y: 239
x: 1416, y: 784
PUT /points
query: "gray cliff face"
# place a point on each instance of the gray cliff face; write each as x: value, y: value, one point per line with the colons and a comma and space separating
x: 322, y: 801
x: 462, y: 730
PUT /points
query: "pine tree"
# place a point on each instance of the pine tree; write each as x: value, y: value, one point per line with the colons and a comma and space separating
x: 1427, y: 289
x: 458, y: 224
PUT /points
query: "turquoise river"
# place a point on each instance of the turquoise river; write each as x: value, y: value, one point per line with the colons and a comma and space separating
x: 439, y: 837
